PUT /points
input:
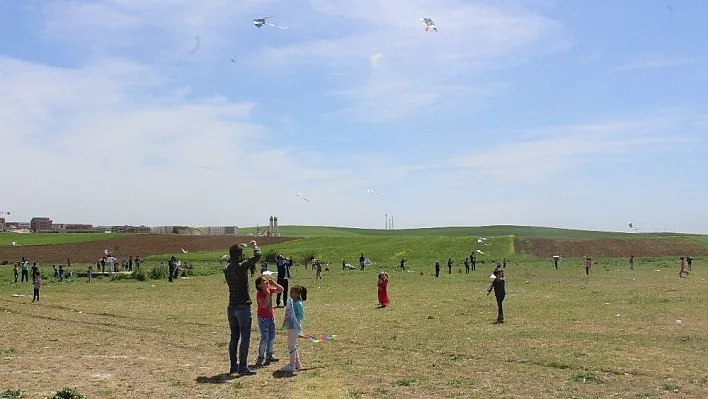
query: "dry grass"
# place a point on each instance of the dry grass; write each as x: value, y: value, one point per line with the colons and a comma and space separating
x: 614, y: 334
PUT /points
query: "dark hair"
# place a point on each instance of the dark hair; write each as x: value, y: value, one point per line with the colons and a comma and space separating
x: 258, y: 281
x: 235, y: 252
x: 302, y: 291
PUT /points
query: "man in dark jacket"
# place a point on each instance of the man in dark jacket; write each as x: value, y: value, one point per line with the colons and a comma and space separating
x: 499, y: 292
x: 239, y: 309
x: 283, y: 277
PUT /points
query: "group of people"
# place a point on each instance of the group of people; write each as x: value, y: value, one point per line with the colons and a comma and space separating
x: 240, y: 316
x: 685, y: 264
x: 470, y: 264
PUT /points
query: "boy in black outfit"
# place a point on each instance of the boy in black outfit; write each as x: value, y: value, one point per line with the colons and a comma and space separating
x: 499, y: 292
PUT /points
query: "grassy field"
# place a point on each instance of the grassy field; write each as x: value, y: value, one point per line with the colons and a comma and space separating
x: 383, y: 252
x: 519, y: 231
x: 614, y: 334
x: 6, y: 239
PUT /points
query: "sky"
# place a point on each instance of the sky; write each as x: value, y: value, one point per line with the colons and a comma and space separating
x: 567, y: 113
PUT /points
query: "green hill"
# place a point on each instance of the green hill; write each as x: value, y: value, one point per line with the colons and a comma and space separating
x: 483, y: 231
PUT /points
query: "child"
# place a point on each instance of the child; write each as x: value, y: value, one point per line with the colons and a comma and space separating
x: 15, y: 272
x: 90, y: 272
x: 37, y: 285
x: 294, y: 313
x: 318, y: 268
x: 266, y: 319
x: 631, y: 262
x: 499, y: 292
x: 382, y: 285
x: 682, y: 267
x: 588, y: 264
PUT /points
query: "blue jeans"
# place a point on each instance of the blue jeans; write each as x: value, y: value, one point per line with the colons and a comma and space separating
x: 240, y: 323
x: 267, y: 327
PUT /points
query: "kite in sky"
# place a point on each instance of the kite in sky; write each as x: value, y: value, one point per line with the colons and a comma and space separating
x: 370, y: 191
x: 260, y: 22
x: 633, y: 226
x: 302, y: 196
x: 429, y: 24
x: 196, y: 45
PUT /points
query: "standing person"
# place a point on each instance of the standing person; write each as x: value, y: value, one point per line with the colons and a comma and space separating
x: 362, y: 261
x: 474, y: 261
x: 25, y: 273
x: 171, y: 268
x: 556, y: 258
x: 467, y: 266
x: 89, y: 273
x: 283, y: 266
x: 403, y: 263
x: 631, y: 262
x: 689, y: 260
x: 499, y: 292
x: 437, y: 269
x: 504, y: 263
x: 37, y: 286
x: 266, y: 319
x: 103, y: 264
x: 137, y: 263
x: 130, y: 263
x: 449, y: 265
x: 239, y: 309
x: 682, y: 267
x: 318, y: 268
x: 56, y: 272
x: 15, y: 271
x: 344, y: 265
x: 588, y: 265
x: 61, y: 272
x: 382, y: 285
x: 294, y: 314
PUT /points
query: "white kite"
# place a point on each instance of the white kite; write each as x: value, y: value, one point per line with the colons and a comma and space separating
x: 370, y: 191
x: 633, y: 226
x: 478, y: 251
x: 303, y: 197
x: 429, y: 24
x: 263, y: 21
x: 184, y: 251
x: 481, y: 240
x: 269, y: 273
x: 106, y: 252
x: 14, y: 244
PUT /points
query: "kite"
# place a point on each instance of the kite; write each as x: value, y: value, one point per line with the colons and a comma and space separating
x: 14, y: 244
x: 106, y: 252
x: 429, y: 24
x: 321, y: 338
x: 479, y: 251
x: 303, y: 197
x: 196, y: 45
x: 481, y: 240
x: 269, y: 273
x: 184, y: 251
x: 633, y: 226
x: 260, y: 22
x: 370, y: 191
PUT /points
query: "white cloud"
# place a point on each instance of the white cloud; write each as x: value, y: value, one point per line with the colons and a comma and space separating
x: 416, y: 68
x: 551, y: 150
x: 660, y: 61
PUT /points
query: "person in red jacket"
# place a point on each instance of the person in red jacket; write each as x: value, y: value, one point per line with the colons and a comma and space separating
x: 382, y: 285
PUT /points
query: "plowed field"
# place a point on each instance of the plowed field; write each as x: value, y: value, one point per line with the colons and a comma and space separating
x: 642, y: 247
x: 138, y: 245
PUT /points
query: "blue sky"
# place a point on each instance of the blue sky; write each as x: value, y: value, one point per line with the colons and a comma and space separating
x: 572, y: 114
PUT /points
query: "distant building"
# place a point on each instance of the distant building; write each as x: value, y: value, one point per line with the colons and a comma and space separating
x: 72, y: 228
x: 18, y: 225
x: 219, y: 230
x: 162, y: 229
x: 130, y: 229
x: 41, y: 224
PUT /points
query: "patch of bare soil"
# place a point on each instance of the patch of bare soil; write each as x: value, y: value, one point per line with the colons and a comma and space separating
x: 647, y: 247
x: 122, y: 248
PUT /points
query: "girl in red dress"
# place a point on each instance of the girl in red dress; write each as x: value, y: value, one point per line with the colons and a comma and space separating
x: 382, y: 284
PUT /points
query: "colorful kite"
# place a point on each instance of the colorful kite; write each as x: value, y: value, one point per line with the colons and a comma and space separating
x: 429, y: 24
x: 261, y: 22
x: 321, y: 338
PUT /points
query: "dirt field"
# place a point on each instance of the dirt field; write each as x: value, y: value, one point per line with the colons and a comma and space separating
x: 139, y: 245
x: 647, y: 247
